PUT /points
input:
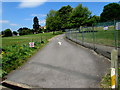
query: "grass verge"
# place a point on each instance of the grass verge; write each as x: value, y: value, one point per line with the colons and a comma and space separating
x: 106, y: 80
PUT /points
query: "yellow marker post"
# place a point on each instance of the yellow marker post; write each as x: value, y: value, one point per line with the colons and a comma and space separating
x: 113, y: 77
x: 114, y: 69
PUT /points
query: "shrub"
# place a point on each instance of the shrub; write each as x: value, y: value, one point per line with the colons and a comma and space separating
x: 7, y: 33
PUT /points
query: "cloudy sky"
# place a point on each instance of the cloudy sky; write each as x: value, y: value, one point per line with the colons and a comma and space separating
x: 20, y: 13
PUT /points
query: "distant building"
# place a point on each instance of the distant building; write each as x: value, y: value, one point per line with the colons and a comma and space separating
x: 43, y: 27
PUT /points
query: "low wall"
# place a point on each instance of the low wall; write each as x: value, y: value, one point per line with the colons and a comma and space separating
x: 103, y: 50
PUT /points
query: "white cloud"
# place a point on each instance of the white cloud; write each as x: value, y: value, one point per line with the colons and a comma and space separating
x: 7, y: 22
x: 13, y: 24
x: 42, y: 21
x: 31, y: 3
x: 4, y: 21
x: 39, y: 15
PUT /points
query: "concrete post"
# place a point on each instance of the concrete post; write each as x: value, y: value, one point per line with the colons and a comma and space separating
x: 114, y: 68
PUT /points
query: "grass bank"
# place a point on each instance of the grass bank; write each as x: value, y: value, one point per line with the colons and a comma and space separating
x: 102, y: 37
x: 16, y: 50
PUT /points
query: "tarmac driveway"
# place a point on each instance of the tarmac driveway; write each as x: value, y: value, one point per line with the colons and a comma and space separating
x: 62, y: 65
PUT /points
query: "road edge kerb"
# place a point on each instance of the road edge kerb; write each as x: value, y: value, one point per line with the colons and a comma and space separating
x: 105, y: 53
x: 93, y: 51
x: 9, y: 84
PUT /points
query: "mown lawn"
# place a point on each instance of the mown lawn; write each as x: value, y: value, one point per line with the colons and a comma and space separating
x: 97, y: 35
x: 102, y: 37
x: 16, y: 50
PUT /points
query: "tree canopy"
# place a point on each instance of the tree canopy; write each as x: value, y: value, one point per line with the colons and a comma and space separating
x: 24, y: 31
x: 67, y: 17
x: 79, y: 16
x: 110, y: 12
x: 7, y: 33
x: 36, y: 24
x: 51, y: 22
x: 63, y: 15
x: 15, y: 32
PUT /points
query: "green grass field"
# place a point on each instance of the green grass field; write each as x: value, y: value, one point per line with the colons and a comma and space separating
x: 102, y: 37
x: 9, y: 41
x: 16, y: 50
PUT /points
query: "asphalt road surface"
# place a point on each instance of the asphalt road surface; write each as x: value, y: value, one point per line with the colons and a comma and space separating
x: 62, y: 64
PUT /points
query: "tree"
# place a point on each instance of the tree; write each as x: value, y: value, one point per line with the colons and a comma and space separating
x: 64, y: 13
x: 51, y: 21
x: 14, y: 32
x: 2, y: 32
x: 25, y: 31
x: 79, y: 16
x: 67, y: 17
x: 110, y: 12
x: 93, y: 20
x: 7, y: 33
x: 36, y: 24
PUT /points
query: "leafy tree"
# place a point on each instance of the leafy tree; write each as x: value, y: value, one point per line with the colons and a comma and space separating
x: 51, y: 21
x: 36, y: 24
x: 67, y: 17
x: 2, y: 32
x: 7, y: 33
x: 93, y: 20
x: 63, y: 13
x: 79, y: 16
x: 14, y: 32
x: 25, y: 31
x: 110, y: 12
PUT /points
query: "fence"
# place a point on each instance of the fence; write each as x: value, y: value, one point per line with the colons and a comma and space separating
x: 102, y: 37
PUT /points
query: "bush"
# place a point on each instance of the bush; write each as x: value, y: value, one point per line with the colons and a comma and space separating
x: 25, y: 31
x: 7, y: 33
x: 14, y: 32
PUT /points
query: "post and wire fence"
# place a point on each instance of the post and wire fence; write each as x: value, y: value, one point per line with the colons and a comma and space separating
x: 104, y: 38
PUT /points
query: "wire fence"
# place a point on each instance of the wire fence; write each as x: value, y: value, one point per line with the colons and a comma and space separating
x: 102, y: 37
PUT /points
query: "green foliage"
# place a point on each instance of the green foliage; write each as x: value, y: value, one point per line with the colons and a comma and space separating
x: 16, y: 50
x: 92, y: 20
x: 64, y: 13
x: 110, y: 12
x: 79, y: 16
x: 7, y: 33
x: 14, y: 32
x: 67, y: 17
x: 52, y: 21
x: 2, y: 32
x: 25, y: 31
x: 36, y: 24
x: 101, y: 36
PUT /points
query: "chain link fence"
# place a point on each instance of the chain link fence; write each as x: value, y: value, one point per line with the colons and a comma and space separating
x: 102, y: 37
